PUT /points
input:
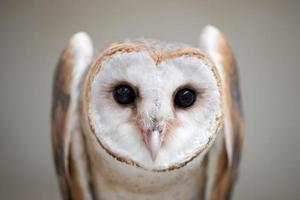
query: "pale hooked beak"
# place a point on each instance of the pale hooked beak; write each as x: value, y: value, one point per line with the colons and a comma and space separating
x: 153, y: 141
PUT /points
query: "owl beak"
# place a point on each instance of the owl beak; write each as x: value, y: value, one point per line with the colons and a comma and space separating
x: 153, y: 142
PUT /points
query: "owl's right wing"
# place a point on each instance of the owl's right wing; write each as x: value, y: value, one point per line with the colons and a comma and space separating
x: 225, y: 157
x: 67, y: 138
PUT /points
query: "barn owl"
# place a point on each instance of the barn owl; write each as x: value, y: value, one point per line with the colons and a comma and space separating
x: 147, y: 119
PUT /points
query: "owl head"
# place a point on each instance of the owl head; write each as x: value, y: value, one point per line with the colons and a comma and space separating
x: 153, y: 104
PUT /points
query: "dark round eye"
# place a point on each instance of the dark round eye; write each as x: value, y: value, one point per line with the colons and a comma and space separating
x: 124, y: 94
x: 185, y: 98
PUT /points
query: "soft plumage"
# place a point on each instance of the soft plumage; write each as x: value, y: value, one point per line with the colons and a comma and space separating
x: 150, y: 148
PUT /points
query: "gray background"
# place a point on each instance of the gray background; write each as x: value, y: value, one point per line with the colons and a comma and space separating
x: 264, y: 34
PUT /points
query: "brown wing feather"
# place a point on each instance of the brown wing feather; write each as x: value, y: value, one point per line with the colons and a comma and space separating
x: 61, y: 104
x: 229, y: 149
x: 64, y: 115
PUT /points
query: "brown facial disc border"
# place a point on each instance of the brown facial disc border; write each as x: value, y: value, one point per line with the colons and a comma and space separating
x: 157, y: 56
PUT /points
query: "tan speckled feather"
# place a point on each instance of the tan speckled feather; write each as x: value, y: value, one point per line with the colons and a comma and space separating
x: 66, y: 129
x: 228, y: 151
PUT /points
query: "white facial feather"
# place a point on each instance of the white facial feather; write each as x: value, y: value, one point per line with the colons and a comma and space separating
x: 156, y: 84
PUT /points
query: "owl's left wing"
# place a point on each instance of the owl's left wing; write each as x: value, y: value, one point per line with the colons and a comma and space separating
x: 227, y: 152
x: 68, y: 148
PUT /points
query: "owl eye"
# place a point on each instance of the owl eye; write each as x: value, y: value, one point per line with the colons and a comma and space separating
x: 185, y: 98
x: 124, y: 94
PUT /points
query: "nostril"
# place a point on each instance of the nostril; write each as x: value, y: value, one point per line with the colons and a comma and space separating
x: 154, y: 120
x: 159, y: 129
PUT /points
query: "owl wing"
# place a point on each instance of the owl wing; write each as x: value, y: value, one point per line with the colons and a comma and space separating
x: 227, y: 153
x: 68, y: 148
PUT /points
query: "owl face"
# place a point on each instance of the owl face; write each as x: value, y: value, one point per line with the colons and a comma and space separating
x: 152, y: 108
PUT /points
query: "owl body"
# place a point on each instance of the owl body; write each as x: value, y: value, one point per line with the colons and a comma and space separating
x: 146, y: 119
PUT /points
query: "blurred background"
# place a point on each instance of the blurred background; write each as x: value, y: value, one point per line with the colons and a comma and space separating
x: 265, y: 36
